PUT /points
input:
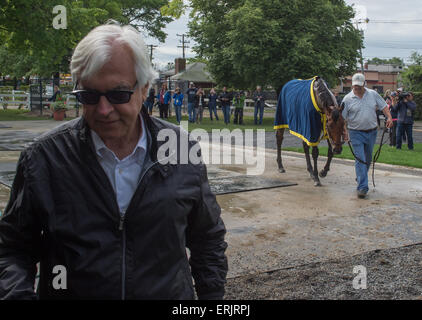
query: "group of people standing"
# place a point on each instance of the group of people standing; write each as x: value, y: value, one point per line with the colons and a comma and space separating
x: 402, y: 108
x: 196, y: 103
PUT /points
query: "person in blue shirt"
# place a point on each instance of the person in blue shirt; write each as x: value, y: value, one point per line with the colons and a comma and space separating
x: 405, y: 109
x: 178, y: 101
x: 259, y: 99
x: 149, y: 102
x: 225, y: 98
x: 212, y: 103
x: 164, y: 98
x: 191, y: 93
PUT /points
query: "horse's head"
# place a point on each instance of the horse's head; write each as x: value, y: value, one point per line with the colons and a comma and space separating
x: 335, y: 122
x: 335, y: 127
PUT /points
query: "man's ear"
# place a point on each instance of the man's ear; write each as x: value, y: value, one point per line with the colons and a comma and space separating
x: 144, y: 91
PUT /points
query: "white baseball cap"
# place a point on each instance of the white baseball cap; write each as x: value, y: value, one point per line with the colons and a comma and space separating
x: 358, y: 79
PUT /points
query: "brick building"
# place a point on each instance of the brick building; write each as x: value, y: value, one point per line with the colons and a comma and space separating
x: 378, y: 77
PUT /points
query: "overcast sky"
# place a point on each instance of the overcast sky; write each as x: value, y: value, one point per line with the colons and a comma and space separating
x: 383, y: 40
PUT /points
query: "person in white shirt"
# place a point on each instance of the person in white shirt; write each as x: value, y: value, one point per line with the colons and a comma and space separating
x: 360, y: 113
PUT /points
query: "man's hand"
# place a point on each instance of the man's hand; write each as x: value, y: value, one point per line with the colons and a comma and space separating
x: 389, y: 123
x: 345, y: 134
x: 387, y: 114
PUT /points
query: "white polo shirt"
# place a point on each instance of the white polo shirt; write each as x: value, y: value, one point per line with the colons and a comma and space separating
x: 361, y: 114
x: 123, y: 174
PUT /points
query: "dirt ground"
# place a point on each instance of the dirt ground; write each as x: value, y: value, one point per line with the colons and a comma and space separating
x: 391, y: 274
x: 302, y: 242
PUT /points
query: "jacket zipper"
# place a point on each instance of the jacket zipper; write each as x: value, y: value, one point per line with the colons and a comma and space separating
x: 123, y: 230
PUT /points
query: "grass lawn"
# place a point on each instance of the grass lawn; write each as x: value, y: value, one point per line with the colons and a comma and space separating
x: 389, y: 155
x: 208, y: 125
x: 16, y: 114
x: 24, y: 114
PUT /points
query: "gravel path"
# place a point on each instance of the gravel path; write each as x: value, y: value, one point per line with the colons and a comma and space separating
x: 391, y: 274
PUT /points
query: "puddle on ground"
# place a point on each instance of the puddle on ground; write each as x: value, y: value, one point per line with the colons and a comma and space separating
x: 241, y: 230
x: 16, y: 140
x: 242, y: 183
x: 241, y: 170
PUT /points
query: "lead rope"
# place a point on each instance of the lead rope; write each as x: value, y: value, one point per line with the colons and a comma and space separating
x: 375, y: 158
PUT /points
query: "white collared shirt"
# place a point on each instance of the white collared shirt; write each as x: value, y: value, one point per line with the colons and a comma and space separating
x: 361, y: 113
x: 123, y: 174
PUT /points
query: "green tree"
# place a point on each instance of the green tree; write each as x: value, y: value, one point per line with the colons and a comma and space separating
x: 271, y: 42
x: 412, y: 76
x: 394, y: 61
x: 26, y: 30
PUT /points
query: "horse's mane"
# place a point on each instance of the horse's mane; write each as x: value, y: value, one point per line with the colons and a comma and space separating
x: 324, y: 96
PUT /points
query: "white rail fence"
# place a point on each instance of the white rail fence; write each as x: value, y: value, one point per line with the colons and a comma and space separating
x: 17, y: 98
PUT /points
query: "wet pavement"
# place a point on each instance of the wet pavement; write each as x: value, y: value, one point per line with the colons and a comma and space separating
x: 293, y: 225
x: 284, y: 227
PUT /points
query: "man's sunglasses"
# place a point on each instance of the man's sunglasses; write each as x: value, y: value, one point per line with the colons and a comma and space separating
x: 113, y: 96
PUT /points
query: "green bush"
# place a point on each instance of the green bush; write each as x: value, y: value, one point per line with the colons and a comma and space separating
x: 6, y: 89
x: 59, y: 104
x: 418, y: 100
x: 24, y: 88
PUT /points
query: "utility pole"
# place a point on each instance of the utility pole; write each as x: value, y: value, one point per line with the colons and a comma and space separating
x: 183, y: 43
x: 360, y: 47
x: 151, y: 50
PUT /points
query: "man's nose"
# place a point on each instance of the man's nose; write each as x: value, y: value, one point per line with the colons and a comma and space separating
x: 104, y: 107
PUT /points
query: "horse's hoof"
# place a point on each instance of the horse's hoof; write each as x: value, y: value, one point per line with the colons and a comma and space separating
x: 323, y: 174
x: 317, y: 184
x: 281, y: 170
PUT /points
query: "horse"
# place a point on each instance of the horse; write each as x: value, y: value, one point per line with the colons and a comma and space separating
x: 310, y: 111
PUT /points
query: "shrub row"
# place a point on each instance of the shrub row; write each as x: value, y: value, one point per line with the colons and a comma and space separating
x: 418, y: 100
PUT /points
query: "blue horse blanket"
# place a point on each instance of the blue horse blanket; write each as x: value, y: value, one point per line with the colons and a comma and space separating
x: 298, y: 111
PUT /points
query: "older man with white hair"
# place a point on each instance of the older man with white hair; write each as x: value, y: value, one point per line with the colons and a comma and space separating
x: 360, y: 113
x: 96, y: 206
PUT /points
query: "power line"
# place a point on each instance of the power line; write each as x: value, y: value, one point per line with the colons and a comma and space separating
x: 417, y: 21
x: 183, y: 42
x: 392, y: 47
x: 151, y: 46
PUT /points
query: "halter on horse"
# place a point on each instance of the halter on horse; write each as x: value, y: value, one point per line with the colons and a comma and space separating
x: 320, y: 119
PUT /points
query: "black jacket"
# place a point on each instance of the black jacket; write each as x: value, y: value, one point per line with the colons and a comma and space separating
x: 197, y: 97
x: 62, y: 211
x: 227, y: 96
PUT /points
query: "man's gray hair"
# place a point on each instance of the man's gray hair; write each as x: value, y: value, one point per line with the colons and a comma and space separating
x: 94, y: 51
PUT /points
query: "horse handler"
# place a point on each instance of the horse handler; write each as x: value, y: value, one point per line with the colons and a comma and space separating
x: 360, y: 113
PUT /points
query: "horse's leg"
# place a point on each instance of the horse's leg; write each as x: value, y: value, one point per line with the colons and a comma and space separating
x: 308, y: 160
x: 323, y: 172
x: 315, y: 154
x: 279, y: 136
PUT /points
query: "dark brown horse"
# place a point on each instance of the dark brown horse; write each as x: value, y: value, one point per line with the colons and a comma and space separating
x: 334, y: 128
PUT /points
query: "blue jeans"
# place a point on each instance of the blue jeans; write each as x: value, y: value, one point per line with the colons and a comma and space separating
x: 363, y: 145
x: 178, y: 112
x: 402, y: 128
x: 213, y: 109
x: 149, y: 105
x: 226, y: 113
x: 195, y: 112
x: 261, y: 113
x: 191, y: 108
